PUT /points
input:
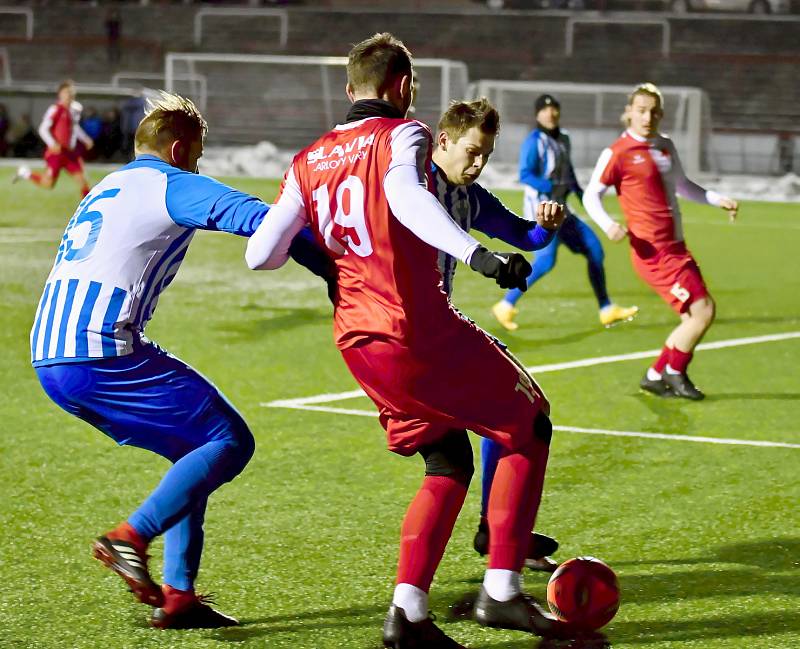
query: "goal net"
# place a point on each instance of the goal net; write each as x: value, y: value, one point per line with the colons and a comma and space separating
x: 591, y: 113
x: 290, y: 100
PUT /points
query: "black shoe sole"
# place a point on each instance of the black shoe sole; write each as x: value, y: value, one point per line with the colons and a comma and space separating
x: 147, y: 593
x: 664, y: 393
x: 690, y: 398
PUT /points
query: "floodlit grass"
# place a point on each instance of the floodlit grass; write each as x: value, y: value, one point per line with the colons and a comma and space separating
x: 302, y: 546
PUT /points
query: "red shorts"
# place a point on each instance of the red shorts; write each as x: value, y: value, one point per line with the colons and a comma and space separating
x: 463, y: 380
x: 69, y: 160
x: 673, y: 274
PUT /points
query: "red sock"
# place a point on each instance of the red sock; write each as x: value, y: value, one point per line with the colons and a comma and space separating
x: 125, y: 532
x: 176, y: 600
x: 426, y: 529
x: 662, y: 360
x: 35, y: 178
x: 513, y: 504
x: 679, y: 360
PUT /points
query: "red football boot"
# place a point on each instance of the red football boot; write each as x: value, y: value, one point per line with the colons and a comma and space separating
x: 125, y: 552
x: 184, y: 609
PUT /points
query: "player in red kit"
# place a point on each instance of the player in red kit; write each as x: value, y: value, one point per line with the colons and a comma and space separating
x: 364, y: 188
x: 60, y: 129
x: 646, y: 171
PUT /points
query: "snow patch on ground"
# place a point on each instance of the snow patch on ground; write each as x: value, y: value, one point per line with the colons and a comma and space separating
x: 265, y: 160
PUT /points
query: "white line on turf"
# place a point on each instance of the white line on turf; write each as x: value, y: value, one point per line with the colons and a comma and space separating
x: 575, y: 429
x: 553, y: 367
x: 305, y: 403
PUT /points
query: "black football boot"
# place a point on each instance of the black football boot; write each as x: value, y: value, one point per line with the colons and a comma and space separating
x: 658, y: 387
x: 521, y: 613
x: 539, y: 547
x: 399, y: 633
x: 681, y: 385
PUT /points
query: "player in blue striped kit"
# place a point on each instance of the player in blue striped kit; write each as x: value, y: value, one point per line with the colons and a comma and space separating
x: 465, y: 139
x: 120, y: 250
x: 546, y: 172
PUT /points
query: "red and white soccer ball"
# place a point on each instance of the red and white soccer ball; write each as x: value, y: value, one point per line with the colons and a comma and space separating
x: 585, y: 592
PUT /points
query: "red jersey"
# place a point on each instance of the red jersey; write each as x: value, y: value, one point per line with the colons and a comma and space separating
x: 644, y: 173
x: 389, y: 281
x: 61, y: 125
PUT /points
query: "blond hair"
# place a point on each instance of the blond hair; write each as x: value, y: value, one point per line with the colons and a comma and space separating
x: 169, y: 118
x: 375, y: 62
x: 645, y: 89
x: 463, y: 115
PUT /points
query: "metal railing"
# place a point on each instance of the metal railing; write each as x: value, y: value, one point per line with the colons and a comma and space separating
x: 281, y: 14
x: 27, y: 12
x: 569, y: 36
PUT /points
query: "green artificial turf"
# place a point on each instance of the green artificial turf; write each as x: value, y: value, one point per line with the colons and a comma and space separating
x: 302, y: 546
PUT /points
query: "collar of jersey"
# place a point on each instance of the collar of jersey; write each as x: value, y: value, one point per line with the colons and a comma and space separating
x: 144, y: 157
x: 639, y: 138
x: 438, y: 172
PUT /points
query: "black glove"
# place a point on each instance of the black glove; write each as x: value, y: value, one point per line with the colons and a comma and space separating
x: 509, y: 269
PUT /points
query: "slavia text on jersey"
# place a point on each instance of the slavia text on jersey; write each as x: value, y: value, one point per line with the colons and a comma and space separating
x: 350, y: 152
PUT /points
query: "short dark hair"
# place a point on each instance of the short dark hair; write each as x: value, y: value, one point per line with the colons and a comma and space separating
x: 463, y: 115
x: 373, y: 63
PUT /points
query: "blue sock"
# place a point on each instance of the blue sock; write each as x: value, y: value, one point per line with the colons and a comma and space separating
x: 183, y: 546
x: 490, y: 455
x: 189, y: 481
x: 543, y: 263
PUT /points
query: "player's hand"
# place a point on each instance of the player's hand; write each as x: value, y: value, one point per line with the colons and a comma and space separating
x: 508, y: 269
x: 89, y: 145
x: 616, y: 232
x: 550, y: 215
x: 731, y: 207
x: 56, y: 148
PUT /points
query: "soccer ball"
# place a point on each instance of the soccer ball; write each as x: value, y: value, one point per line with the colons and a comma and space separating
x: 585, y: 592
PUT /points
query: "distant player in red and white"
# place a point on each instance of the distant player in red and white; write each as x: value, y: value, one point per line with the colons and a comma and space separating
x: 646, y: 171
x: 364, y: 188
x: 60, y: 129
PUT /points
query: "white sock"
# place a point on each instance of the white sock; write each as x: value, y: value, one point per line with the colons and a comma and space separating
x: 669, y: 370
x: 607, y: 307
x: 652, y: 375
x: 502, y: 585
x: 413, y: 600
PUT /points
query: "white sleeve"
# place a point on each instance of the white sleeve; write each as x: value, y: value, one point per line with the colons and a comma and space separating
x: 268, y: 248
x: 688, y: 188
x: 46, y: 125
x: 82, y: 135
x: 593, y: 194
x: 405, y: 185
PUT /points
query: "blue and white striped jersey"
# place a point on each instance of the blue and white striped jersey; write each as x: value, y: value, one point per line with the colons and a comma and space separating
x: 121, y: 249
x: 472, y: 206
x: 545, y: 169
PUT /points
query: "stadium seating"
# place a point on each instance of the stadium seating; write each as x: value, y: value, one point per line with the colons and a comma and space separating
x: 738, y: 60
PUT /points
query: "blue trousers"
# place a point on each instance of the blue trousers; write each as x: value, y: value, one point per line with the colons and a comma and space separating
x: 154, y: 401
x: 580, y: 239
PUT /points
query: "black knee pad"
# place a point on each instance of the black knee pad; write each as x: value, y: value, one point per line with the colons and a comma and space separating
x: 543, y: 428
x: 450, y: 456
